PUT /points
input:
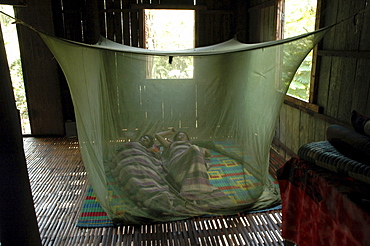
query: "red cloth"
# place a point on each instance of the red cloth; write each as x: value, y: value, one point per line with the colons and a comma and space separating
x: 321, y: 208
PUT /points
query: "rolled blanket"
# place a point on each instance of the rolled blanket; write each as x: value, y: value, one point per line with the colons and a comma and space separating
x: 350, y: 143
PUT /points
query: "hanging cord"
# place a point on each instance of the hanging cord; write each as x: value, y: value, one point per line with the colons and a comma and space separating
x: 354, y: 16
x: 17, y: 21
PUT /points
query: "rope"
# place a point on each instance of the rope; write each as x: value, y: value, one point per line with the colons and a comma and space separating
x: 18, y: 21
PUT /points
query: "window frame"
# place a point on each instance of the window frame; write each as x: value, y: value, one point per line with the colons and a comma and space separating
x: 311, y: 105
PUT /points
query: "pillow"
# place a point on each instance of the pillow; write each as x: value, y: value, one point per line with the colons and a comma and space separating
x: 350, y: 143
x: 360, y: 123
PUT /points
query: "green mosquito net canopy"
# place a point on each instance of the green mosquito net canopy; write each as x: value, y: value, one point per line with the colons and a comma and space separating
x: 225, y: 97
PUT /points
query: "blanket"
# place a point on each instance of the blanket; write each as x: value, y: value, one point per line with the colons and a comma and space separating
x: 187, y: 173
x: 139, y: 174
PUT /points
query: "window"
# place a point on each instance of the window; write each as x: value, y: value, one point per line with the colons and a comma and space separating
x: 169, y: 29
x: 15, y: 68
x: 299, y: 18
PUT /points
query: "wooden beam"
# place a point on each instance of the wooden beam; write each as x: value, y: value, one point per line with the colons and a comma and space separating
x: 302, y: 105
x: 315, y: 68
x: 18, y: 3
x: 277, y: 143
x: 262, y: 5
x: 349, y: 54
x: 168, y: 6
x: 312, y: 109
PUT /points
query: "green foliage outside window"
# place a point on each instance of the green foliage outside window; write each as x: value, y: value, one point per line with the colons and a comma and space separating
x: 179, y: 68
x: 300, y: 18
x: 15, y: 67
x: 169, y: 30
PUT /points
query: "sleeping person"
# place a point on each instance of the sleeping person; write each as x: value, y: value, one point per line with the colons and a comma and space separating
x: 155, y: 187
x: 186, y: 167
x: 139, y: 173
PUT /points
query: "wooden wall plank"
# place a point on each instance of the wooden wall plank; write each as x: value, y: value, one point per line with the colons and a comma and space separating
x: 272, y: 22
x: 324, y: 72
x: 360, y: 99
x: 90, y: 16
x: 363, y: 22
x: 337, y: 64
x: 295, y: 128
x: 126, y: 28
x: 102, y: 19
x: 241, y: 21
x: 306, y: 129
x: 58, y: 19
x: 334, y: 87
x: 341, y: 82
x: 118, y: 35
x: 40, y: 70
x: 134, y: 29
x: 214, y: 27
x: 72, y: 20
x: 348, y: 74
x: 265, y: 23
x: 319, y: 130
x: 110, y: 25
x: 254, y: 25
x: 282, y: 125
x: 262, y: 22
x: 288, y: 125
x: 367, y: 111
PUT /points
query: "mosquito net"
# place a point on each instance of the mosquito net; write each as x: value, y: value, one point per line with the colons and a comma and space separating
x: 225, y: 97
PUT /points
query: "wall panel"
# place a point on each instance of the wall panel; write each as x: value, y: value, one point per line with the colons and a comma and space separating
x: 40, y: 70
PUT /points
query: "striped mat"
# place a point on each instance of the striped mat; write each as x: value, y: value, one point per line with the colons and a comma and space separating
x: 93, y: 216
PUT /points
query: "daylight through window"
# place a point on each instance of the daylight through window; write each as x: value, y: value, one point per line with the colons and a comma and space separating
x: 169, y: 29
x: 10, y: 37
x: 300, y: 18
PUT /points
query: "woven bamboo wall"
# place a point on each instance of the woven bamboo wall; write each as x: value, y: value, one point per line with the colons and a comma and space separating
x: 122, y: 21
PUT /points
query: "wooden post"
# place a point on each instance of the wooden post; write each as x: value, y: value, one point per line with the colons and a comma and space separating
x: 18, y: 224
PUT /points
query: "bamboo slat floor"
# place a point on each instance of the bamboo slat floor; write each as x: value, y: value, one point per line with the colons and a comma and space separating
x: 59, y: 183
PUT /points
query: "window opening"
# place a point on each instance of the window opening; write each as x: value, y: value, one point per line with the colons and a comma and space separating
x: 169, y: 29
x: 300, y: 18
x: 11, y: 44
